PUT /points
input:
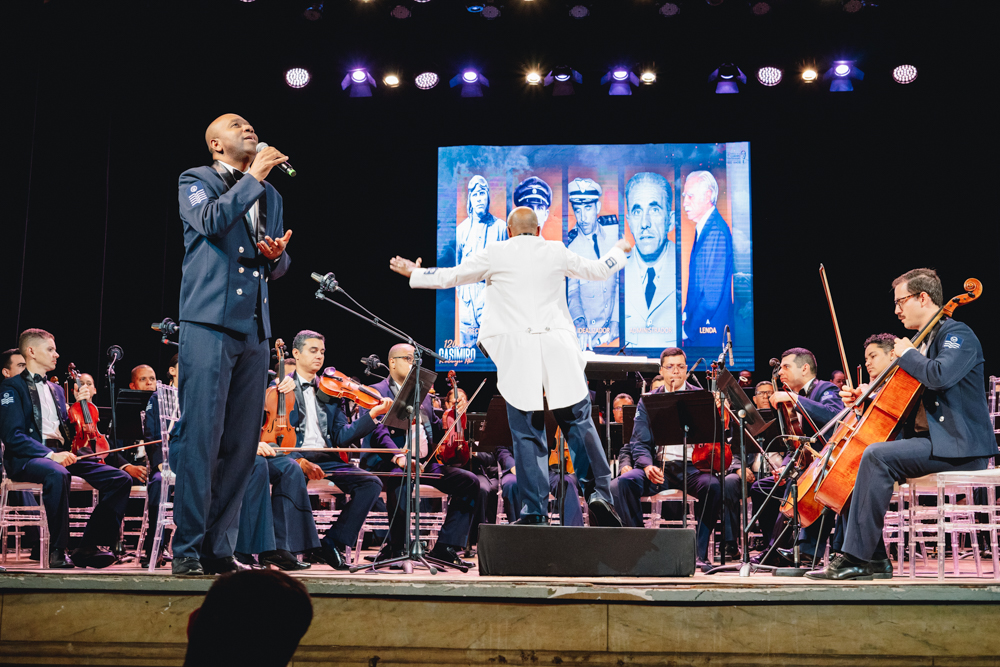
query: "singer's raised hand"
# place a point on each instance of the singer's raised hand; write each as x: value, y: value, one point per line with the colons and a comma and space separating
x: 265, y: 161
x: 272, y: 248
x: 402, y: 266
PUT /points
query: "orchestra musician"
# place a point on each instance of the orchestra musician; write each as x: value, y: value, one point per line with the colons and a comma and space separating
x: 461, y: 485
x: 950, y: 428
x: 508, y: 482
x: 114, y: 459
x: 617, y: 413
x: 277, y: 520
x: 527, y: 331
x: 37, y: 440
x: 762, y: 395
x: 11, y: 363
x: 234, y: 242
x: 484, y: 466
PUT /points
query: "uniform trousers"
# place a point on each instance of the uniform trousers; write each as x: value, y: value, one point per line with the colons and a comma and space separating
x: 462, y: 487
x: 362, y: 487
x: 276, y: 510
x: 113, y: 486
x: 574, y: 513
x: 882, y: 465
x: 222, y: 379
x: 531, y: 454
x: 486, y: 505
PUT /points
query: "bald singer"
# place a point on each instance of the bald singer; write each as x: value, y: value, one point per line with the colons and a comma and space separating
x: 234, y: 242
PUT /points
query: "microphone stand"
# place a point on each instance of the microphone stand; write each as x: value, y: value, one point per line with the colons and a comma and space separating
x: 414, y: 548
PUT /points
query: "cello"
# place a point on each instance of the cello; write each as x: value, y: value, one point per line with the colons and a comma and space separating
x: 83, y: 415
x: 893, y: 394
x: 276, y: 429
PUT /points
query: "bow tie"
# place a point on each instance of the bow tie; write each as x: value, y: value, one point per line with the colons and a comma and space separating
x: 238, y: 174
x: 313, y: 383
x: 803, y: 392
x: 36, y: 378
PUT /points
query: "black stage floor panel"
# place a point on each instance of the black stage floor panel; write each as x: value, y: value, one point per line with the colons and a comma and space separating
x: 567, y: 551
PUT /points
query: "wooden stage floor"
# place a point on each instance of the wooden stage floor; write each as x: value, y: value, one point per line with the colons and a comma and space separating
x: 126, y: 616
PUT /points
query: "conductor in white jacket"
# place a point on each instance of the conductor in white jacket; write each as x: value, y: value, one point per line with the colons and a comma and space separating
x: 527, y: 331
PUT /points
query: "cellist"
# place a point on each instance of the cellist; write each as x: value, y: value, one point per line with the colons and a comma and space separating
x: 949, y: 430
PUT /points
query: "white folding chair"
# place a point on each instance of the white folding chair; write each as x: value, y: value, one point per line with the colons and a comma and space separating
x: 170, y: 413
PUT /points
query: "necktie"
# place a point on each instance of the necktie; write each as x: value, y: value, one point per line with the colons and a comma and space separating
x: 650, y: 286
x: 597, y: 249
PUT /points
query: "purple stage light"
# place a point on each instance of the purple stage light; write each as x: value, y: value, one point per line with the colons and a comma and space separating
x: 472, y: 82
x: 841, y: 74
x: 620, y: 74
x: 427, y: 80
x: 490, y: 12
x: 842, y: 69
x: 853, y: 6
x: 579, y: 11
x: 769, y: 76
x: 727, y: 79
x: 562, y: 80
x: 469, y: 76
x: 359, y: 76
x: 297, y: 77
x: 760, y: 8
x: 621, y: 80
x: 670, y: 9
x: 904, y: 74
x: 400, y: 12
x: 359, y: 81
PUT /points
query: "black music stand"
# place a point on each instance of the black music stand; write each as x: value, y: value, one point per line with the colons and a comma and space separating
x: 129, y: 406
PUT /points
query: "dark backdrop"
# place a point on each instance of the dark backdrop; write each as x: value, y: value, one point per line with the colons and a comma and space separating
x: 108, y: 104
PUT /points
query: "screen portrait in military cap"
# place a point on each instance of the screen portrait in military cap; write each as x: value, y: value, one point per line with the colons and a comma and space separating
x: 592, y: 305
x: 472, y: 235
x: 536, y: 194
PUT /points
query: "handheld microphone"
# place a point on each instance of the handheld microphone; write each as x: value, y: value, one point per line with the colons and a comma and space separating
x: 327, y: 283
x: 729, y: 344
x: 167, y: 327
x: 284, y: 166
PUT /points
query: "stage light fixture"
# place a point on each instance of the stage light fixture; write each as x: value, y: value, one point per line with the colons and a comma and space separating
x: 359, y: 81
x: 297, y: 77
x: 400, y: 12
x: 727, y: 79
x: 533, y: 78
x: 475, y: 7
x: 759, y: 7
x: 421, y: 1
x: 622, y: 79
x: 579, y: 11
x: 648, y: 77
x: 904, y: 74
x: 390, y: 80
x: 314, y: 12
x: 853, y: 6
x: 490, y: 12
x: 562, y: 80
x: 426, y: 80
x: 472, y: 82
x: 769, y: 76
x: 714, y: 3
x: 840, y: 76
x: 809, y: 75
x: 670, y: 9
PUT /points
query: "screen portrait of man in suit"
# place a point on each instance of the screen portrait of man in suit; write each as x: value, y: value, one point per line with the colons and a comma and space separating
x: 651, y: 276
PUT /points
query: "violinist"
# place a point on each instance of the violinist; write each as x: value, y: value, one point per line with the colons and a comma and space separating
x: 114, y: 459
x: 484, y: 466
x: 33, y: 427
x: 277, y: 493
x: 461, y: 485
x: 950, y: 428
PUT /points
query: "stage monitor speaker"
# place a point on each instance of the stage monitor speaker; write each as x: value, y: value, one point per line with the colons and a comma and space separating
x: 569, y: 551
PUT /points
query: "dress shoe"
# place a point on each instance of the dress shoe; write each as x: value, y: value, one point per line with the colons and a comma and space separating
x: 144, y: 562
x: 470, y: 552
x: 331, y: 556
x: 448, y: 554
x: 188, y: 567
x: 91, y: 557
x: 58, y: 560
x: 604, y: 512
x: 732, y: 551
x: 805, y: 560
x: 246, y: 559
x: 220, y: 565
x: 531, y: 520
x: 283, y: 560
x: 881, y: 569
x: 704, y: 565
x: 843, y: 568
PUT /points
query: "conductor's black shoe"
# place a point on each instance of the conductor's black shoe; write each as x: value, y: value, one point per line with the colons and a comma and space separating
x: 91, y: 557
x: 604, y: 512
x: 58, y: 560
x: 881, y: 569
x: 843, y: 568
x: 283, y: 560
x: 220, y: 565
x: 332, y: 556
x: 805, y: 560
x: 448, y: 554
x: 187, y: 567
x: 531, y: 520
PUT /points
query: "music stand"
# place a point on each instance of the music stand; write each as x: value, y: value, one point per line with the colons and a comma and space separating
x: 129, y: 406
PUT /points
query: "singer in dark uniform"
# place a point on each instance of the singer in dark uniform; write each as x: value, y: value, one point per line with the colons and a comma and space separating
x: 234, y: 242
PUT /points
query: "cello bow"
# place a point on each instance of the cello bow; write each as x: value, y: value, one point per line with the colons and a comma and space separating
x: 836, y: 326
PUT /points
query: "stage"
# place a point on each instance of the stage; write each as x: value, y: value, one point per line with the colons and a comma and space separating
x: 125, y: 616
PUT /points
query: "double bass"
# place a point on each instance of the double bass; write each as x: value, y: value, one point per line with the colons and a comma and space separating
x: 83, y: 416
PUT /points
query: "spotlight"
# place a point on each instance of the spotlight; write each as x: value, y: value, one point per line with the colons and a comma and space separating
x: 390, y: 80
x: 359, y: 81
x: 475, y: 7
x: 534, y: 78
x: 840, y: 76
x: 621, y: 80
x: 769, y: 76
x: 648, y: 77
x: 314, y: 12
x: 853, y: 6
x: 562, y: 79
x: 727, y: 78
x: 472, y: 83
x: 904, y: 74
x: 426, y: 81
x: 297, y: 77
x: 400, y: 12
x: 714, y: 3
x: 759, y: 7
x: 809, y: 75
x: 579, y: 11
x: 490, y: 12
x: 421, y: 1
x: 670, y: 9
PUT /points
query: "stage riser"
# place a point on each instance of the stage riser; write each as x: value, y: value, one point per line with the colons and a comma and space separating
x: 91, y: 628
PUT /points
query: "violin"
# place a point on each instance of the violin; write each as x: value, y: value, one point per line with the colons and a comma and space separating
x: 277, y: 430
x: 336, y: 385
x: 83, y: 415
x: 453, y: 450
x: 713, y: 457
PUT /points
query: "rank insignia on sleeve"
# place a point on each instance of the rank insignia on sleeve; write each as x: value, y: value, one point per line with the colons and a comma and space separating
x: 7, y: 399
x: 433, y: 269
x: 953, y: 342
x: 611, y: 262
x: 196, y: 193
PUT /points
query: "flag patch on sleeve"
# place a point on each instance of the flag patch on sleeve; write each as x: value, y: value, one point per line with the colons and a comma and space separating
x: 953, y: 342
x: 196, y: 193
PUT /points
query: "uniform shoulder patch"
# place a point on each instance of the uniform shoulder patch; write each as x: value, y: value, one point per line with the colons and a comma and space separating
x: 196, y: 193
x: 611, y: 262
x: 7, y: 399
x: 432, y: 269
x: 953, y: 342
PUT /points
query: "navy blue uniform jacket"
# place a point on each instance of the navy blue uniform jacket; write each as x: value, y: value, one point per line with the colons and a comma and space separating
x: 822, y: 404
x: 709, y: 302
x: 20, y: 428
x: 224, y: 277
x: 641, y: 445
x: 384, y: 437
x: 952, y: 374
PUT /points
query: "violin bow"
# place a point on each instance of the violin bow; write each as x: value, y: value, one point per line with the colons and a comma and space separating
x: 452, y: 428
x: 118, y: 449
x: 836, y: 326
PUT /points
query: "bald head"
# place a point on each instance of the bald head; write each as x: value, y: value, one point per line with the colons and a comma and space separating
x: 522, y: 220
x: 231, y: 138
